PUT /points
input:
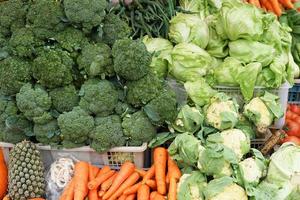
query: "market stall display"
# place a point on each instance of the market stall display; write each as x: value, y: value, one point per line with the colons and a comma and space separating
x: 149, y: 100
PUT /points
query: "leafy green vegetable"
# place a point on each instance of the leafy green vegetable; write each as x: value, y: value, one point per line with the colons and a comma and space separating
x: 161, y: 139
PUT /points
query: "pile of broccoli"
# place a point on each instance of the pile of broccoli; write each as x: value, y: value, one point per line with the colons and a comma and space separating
x: 70, y: 76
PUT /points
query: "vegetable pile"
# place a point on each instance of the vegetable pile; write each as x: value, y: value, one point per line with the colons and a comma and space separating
x: 292, y: 126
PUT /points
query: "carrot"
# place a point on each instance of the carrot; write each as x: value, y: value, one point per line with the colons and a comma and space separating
x: 168, y: 178
x: 156, y: 196
x: 95, y: 183
x: 81, y: 178
x: 133, y: 189
x: 101, y: 193
x: 255, y: 3
x: 267, y: 5
x: 143, y: 192
x: 3, y: 175
x: 131, y: 197
x: 287, y: 4
x: 141, y: 172
x: 123, y: 197
x: 151, y: 184
x: 6, y: 197
x: 106, y: 184
x: 68, y: 193
x: 172, y: 189
x: 103, y: 171
x: 149, y: 174
x: 173, y: 169
x: 276, y: 7
x: 160, y: 164
x: 126, y: 170
x: 131, y: 180
x: 93, y: 171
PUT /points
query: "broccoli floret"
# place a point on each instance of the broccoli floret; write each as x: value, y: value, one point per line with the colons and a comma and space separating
x: 35, y: 103
x: 53, y: 68
x: 75, y: 127
x: 14, y: 73
x: 8, y: 108
x: 23, y: 43
x: 138, y: 127
x: 71, y: 40
x: 64, y: 99
x: 123, y: 109
x: 163, y: 108
x: 131, y: 59
x: 12, y: 16
x: 96, y: 60
x: 98, y: 97
x: 47, y: 133
x: 114, y: 28
x: 85, y: 14
x: 17, y: 129
x: 142, y: 91
x: 108, y: 133
x: 45, y: 17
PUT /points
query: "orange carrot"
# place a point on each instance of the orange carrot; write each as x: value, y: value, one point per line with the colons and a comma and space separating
x: 143, y: 192
x: 131, y: 197
x: 122, y: 197
x: 126, y: 170
x: 156, y: 196
x: 160, y: 164
x: 68, y: 193
x: 81, y: 178
x: 276, y: 7
x: 168, y: 178
x: 95, y: 183
x: 149, y: 174
x: 172, y: 189
x: 267, y: 5
x: 103, y: 171
x: 93, y: 171
x: 3, y: 175
x: 133, y: 189
x: 106, y: 184
x: 130, y: 181
x: 151, y: 184
x: 287, y: 4
x: 141, y: 172
x: 101, y: 193
x: 255, y: 3
x: 173, y: 169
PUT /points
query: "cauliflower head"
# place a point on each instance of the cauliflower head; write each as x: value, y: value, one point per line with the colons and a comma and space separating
x: 131, y: 59
x: 137, y: 127
x: 47, y: 133
x: 96, y: 60
x: 86, y: 14
x: 142, y: 91
x: 53, y: 68
x: 98, y: 97
x: 222, y: 113
x: 224, y: 189
x: 75, y: 127
x: 35, y: 103
x: 108, y: 133
x: 14, y: 73
x: 64, y: 99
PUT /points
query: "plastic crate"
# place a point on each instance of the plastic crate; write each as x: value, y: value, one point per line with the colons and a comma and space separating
x: 282, y: 92
x: 294, y: 93
x: 114, y: 158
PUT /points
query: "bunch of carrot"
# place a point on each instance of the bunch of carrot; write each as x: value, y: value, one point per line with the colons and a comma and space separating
x: 275, y: 6
x: 129, y: 183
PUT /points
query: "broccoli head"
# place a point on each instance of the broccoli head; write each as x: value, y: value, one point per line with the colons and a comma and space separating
x: 35, y: 103
x: 47, y: 133
x: 71, y: 40
x: 96, y: 60
x: 64, y: 99
x: 12, y: 16
x: 45, y: 17
x: 137, y: 127
x: 108, y: 133
x: 14, y: 73
x: 98, y: 97
x: 142, y: 91
x: 17, y: 129
x: 131, y: 59
x: 53, y: 68
x: 85, y: 14
x: 7, y: 108
x: 163, y: 108
x: 114, y: 28
x: 23, y: 43
x: 123, y: 108
x: 75, y: 127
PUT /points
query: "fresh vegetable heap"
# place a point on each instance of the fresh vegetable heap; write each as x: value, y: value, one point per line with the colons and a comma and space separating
x: 292, y: 127
x: 63, y: 83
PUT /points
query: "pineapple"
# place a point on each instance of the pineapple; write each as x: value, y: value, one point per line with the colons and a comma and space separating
x: 26, y: 172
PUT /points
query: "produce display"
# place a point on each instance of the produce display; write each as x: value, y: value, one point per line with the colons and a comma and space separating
x: 86, y: 84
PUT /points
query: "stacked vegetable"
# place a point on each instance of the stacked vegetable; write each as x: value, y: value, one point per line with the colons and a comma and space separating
x: 275, y: 6
x: 71, y: 76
